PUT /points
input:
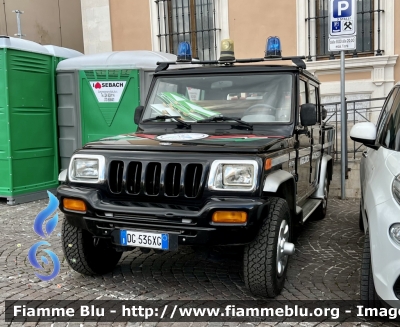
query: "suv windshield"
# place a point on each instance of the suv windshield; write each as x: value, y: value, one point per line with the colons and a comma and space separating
x: 255, y: 98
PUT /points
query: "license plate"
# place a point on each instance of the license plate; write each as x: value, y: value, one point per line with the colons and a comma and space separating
x: 144, y: 240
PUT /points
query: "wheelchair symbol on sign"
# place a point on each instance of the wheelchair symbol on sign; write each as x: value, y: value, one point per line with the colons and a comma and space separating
x: 336, y: 27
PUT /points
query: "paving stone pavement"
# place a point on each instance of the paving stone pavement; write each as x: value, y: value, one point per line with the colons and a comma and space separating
x: 326, y: 265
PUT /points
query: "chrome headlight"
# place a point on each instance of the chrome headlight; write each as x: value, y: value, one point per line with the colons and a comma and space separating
x: 86, y: 168
x: 233, y: 175
x: 396, y: 188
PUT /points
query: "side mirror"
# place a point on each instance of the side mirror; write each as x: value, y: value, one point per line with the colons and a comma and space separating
x: 324, y: 113
x: 138, y: 114
x: 308, y: 114
x: 364, y: 133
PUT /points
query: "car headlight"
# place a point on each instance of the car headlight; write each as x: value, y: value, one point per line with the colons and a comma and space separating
x: 86, y: 168
x: 233, y: 175
x: 394, y: 232
x: 396, y: 188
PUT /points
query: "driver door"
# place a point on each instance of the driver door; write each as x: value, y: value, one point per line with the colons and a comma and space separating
x: 303, y: 137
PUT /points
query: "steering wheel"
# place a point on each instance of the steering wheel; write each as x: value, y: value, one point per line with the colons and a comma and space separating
x: 261, y: 105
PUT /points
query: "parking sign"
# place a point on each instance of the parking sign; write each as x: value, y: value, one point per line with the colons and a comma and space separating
x: 342, y: 18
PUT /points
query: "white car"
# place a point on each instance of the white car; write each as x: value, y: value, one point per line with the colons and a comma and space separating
x: 380, y: 203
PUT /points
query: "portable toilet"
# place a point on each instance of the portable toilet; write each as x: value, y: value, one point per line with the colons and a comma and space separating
x: 61, y: 53
x: 28, y: 125
x: 97, y: 95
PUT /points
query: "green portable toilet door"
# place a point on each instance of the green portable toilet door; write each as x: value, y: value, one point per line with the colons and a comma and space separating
x: 108, y: 102
x: 32, y: 142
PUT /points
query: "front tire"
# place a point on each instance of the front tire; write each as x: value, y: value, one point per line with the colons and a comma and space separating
x: 265, y: 265
x: 83, y: 255
x: 368, y: 295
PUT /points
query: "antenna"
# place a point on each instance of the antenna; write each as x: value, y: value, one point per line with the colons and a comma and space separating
x: 19, y: 12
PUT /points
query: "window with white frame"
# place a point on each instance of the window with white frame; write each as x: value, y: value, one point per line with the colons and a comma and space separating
x: 194, y: 21
x: 369, y: 29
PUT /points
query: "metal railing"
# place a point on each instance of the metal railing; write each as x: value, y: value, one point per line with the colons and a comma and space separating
x: 368, y: 26
x: 359, y: 110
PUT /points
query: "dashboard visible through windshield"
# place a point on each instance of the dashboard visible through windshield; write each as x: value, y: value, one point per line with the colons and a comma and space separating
x: 255, y: 98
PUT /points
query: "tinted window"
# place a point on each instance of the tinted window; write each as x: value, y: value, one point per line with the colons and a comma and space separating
x: 390, y: 121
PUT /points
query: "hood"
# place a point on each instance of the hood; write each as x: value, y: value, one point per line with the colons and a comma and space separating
x: 186, y: 142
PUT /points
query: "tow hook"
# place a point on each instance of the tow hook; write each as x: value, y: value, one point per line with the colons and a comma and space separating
x: 288, y: 248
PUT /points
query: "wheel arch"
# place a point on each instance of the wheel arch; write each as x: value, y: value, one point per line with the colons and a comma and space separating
x: 325, y: 169
x: 281, y: 184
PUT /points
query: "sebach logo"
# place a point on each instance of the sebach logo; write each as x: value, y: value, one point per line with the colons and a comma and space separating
x: 99, y: 85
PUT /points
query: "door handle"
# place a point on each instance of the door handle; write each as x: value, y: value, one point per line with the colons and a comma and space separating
x: 365, y: 154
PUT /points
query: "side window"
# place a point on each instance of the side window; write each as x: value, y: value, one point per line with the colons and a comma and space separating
x: 302, y: 96
x: 314, y: 98
x: 390, y: 135
x: 313, y: 95
x: 385, y: 110
x: 303, y: 90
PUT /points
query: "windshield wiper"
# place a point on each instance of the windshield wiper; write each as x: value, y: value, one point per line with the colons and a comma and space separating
x: 224, y: 118
x: 177, y: 118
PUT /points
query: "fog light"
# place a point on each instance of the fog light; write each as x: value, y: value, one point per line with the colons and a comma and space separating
x: 74, y: 204
x: 229, y: 217
x: 394, y: 232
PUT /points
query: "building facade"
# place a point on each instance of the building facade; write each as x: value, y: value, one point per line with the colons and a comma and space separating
x: 47, y: 22
x: 302, y: 25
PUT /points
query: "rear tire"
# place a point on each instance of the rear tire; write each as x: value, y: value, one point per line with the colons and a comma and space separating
x: 83, y: 256
x: 368, y: 295
x: 265, y: 266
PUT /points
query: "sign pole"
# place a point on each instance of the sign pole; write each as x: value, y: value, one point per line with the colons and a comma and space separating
x: 343, y: 37
x: 343, y: 124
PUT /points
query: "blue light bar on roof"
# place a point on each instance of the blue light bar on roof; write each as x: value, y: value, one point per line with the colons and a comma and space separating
x: 273, y: 48
x: 184, y: 52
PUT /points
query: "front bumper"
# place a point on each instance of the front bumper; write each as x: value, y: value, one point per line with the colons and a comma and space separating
x: 188, y: 225
x: 385, y: 254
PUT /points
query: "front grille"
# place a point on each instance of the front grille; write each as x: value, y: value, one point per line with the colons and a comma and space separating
x: 116, y: 175
x: 155, y: 178
x: 193, y: 179
x: 152, y: 181
x: 396, y: 288
x: 133, y: 178
x: 172, y: 179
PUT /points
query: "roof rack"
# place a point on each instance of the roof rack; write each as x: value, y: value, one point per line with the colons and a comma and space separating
x: 297, y: 60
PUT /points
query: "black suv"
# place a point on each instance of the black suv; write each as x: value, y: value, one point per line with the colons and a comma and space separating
x: 224, y: 154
